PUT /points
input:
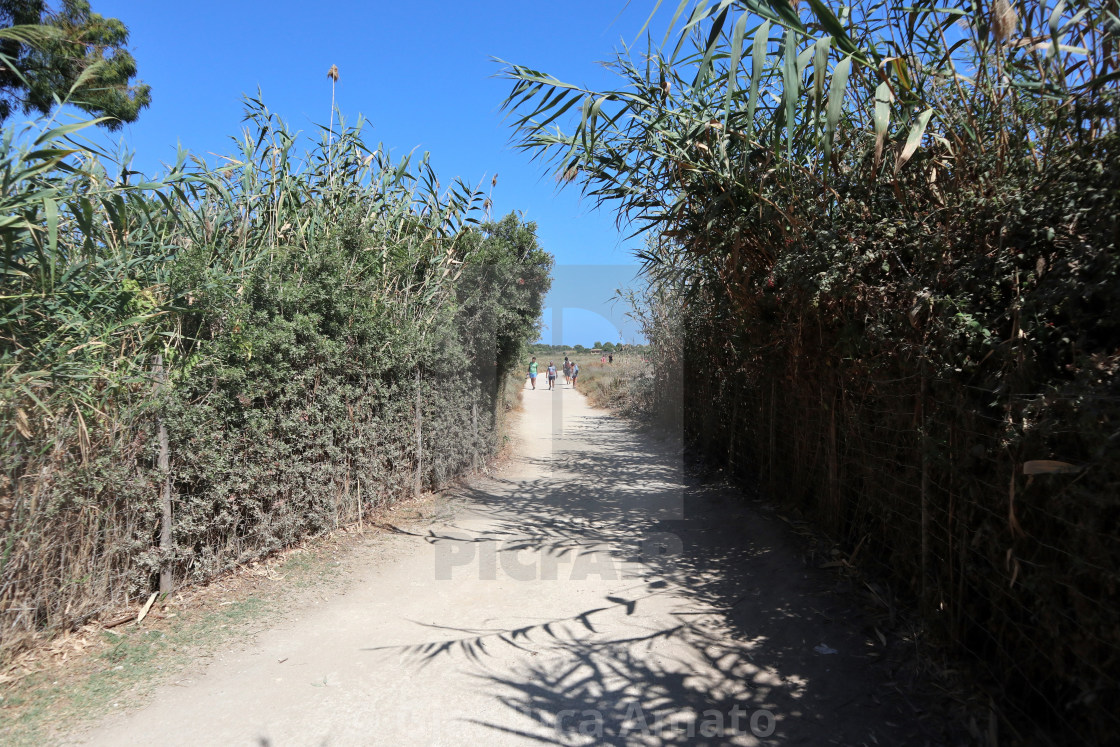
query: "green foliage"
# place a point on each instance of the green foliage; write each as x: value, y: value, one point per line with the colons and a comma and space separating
x: 539, y: 348
x: 335, y: 331
x: 502, y: 294
x: 897, y: 237
x: 681, y: 148
x: 71, y: 54
x: 546, y: 349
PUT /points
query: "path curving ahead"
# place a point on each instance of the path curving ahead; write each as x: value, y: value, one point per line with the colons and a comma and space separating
x: 587, y: 595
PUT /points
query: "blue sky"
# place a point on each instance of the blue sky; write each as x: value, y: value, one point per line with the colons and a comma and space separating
x: 423, y: 76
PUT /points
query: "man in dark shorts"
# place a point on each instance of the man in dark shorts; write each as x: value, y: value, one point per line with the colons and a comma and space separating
x: 551, y: 370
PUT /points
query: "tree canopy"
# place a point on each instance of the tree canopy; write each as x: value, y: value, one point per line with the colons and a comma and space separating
x: 67, y: 54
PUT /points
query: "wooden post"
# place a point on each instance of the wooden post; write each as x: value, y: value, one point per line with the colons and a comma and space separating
x: 770, y: 452
x: 341, y: 501
x: 474, y: 432
x: 834, y: 510
x: 924, y: 488
x: 165, y: 490
x: 419, y: 438
x: 732, y: 462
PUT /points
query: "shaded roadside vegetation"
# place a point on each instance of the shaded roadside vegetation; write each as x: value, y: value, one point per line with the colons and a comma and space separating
x: 883, y: 276
x: 708, y: 611
x: 302, y: 335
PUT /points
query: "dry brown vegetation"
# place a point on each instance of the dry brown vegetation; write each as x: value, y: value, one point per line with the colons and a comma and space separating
x: 882, y: 264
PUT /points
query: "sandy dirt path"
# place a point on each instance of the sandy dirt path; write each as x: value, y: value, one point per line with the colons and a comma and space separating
x: 587, y: 595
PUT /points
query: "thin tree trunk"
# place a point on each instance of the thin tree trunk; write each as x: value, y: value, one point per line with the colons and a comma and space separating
x: 165, y: 580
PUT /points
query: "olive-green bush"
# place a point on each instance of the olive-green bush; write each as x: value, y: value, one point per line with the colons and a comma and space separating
x: 317, y: 334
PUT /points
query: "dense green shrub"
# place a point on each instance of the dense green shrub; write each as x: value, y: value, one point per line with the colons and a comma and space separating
x: 901, y: 372
x: 883, y: 277
x: 316, y: 341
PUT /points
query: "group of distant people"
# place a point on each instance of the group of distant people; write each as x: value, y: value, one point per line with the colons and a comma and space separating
x: 570, y: 368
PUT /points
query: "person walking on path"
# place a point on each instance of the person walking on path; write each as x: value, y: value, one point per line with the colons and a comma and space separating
x: 567, y: 371
x: 533, y: 372
x: 551, y: 370
x: 610, y: 359
x: 575, y: 373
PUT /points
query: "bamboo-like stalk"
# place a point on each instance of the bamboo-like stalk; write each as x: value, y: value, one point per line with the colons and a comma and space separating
x: 333, y: 75
x: 92, y: 289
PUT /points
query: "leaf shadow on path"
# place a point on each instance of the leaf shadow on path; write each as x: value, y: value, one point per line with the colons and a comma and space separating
x: 714, y: 631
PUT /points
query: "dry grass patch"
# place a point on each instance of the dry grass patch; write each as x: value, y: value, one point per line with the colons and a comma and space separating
x: 71, y: 680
